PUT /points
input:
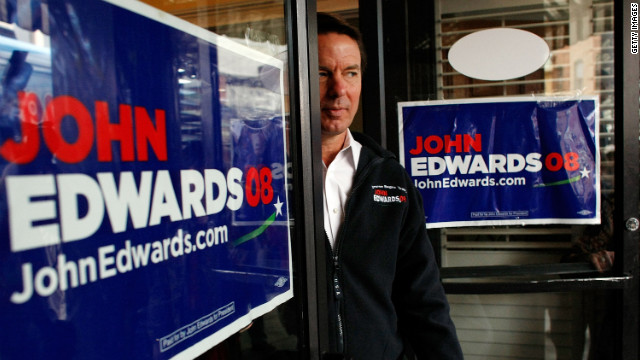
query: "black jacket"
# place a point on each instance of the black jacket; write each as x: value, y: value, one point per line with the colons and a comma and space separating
x: 384, y: 283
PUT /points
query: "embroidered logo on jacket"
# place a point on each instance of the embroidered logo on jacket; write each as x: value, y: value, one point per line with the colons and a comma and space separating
x: 389, y: 194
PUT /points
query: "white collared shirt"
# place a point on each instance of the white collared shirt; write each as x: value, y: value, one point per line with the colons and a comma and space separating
x: 338, y: 180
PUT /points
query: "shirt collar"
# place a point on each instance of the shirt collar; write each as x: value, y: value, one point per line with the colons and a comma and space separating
x: 354, y: 146
x: 350, y: 152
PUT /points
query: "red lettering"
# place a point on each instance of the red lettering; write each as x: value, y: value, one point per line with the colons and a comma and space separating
x: 265, y: 183
x: 457, y: 143
x: 26, y: 150
x: 252, y: 182
x: 108, y: 132
x: 434, y: 144
x: 463, y: 143
x: 474, y: 142
x: 380, y: 192
x: 418, y: 148
x: 571, y: 161
x: 65, y: 115
x: 57, y: 110
x: 147, y: 134
x: 438, y: 144
x: 261, y: 181
x: 553, y: 161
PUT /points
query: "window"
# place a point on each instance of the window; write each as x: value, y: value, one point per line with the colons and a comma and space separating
x: 580, y: 38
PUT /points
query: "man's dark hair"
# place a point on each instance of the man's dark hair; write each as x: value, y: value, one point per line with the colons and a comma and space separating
x: 328, y: 23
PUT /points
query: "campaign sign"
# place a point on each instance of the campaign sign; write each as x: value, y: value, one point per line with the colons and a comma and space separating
x: 504, y: 161
x: 143, y: 201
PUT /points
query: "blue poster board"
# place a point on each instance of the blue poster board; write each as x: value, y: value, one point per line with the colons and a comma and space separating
x: 143, y: 195
x: 502, y: 161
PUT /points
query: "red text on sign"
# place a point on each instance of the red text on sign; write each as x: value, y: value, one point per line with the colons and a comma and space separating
x: 134, y: 145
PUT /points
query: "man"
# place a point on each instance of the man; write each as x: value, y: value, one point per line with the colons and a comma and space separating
x: 384, y: 285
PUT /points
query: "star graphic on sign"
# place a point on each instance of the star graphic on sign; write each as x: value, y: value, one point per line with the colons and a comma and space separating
x: 278, y: 206
x: 584, y: 172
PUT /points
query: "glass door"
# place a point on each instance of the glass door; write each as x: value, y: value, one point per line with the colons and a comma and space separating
x: 547, y: 291
x: 157, y: 153
x: 272, y: 28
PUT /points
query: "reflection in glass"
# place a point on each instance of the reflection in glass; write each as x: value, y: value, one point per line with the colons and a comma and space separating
x: 247, y: 98
x: 562, y: 326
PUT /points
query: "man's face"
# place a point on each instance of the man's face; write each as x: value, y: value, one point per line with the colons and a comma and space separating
x: 340, y: 81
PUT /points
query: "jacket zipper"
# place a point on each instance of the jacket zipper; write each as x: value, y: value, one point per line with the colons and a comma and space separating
x: 337, y: 293
x: 337, y: 288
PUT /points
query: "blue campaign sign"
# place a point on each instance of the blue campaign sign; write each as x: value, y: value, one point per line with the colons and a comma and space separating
x: 143, y: 193
x: 502, y: 161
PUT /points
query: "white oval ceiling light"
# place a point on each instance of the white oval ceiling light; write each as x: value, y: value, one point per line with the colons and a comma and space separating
x: 498, y: 54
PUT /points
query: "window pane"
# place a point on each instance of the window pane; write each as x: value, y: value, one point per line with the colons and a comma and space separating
x: 580, y: 38
x: 563, y: 325
x: 260, y: 26
x: 534, y: 326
